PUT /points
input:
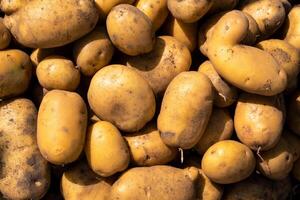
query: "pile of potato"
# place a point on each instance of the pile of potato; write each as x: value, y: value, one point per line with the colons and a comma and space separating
x: 149, y: 99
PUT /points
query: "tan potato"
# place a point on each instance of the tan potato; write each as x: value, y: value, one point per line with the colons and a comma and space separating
x: 293, y: 142
x: 157, y: 11
x: 62, y: 121
x: 220, y: 127
x: 15, y: 73
x: 65, y: 22
x: 105, y: 6
x: 222, y: 5
x: 184, y: 110
x: 5, y: 36
x: 11, y: 6
x: 130, y: 30
x: 260, y: 74
x: 228, y: 161
x: 296, y: 170
x: 224, y: 94
x: 93, y: 51
x: 189, y: 11
x: 57, y: 72
x: 147, y: 148
x: 25, y: 173
x: 292, y: 24
x: 157, y: 182
x: 293, y: 112
x: 168, y: 58
x: 253, y: 31
x: 115, y: 96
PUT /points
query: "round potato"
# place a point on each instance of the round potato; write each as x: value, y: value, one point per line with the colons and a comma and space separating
x: 168, y: 58
x: 228, y: 161
x: 296, y: 170
x: 292, y: 30
x: 293, y: 112
x: 184, y: 110
x: 57, y: 72
x: 5, y: 36
x: 115, y: 96
x: 62, y: 121
x: 11, y: 6
x: 105, y: 6
x: 93, y: 51
x: 220, y: 127
x: 147, y: 148
x: 15, y: 73
x: 130, y: 30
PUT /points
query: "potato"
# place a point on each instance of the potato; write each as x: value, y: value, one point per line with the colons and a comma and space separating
x: 106, y: 150
x: 259, y: 120
x: 184, y: 110
x: 115, y: 96
x: 79, y: 182
x: 62, y: 121
x: 220, y: 127
x: 15, y: 73
x: 11, y: 6
x: 147, y: 148
x: 253, y: 31
x: 168, y: 58
x: 105, y: 6
x: 224, y: 94
x: 260, y: 74
x: 5, y: 36
x: 157, y: 182
x: 189, y: 11
x: 57, y: 72
x: 130, y: 30
x: 293, y: 142
x: 25, y: 173
x: 222, y: 5
x: 93, y: 51
x: 293, y: 112
x: 296, y: 170
x: 228, y: 161
x: 276, y: 163
x: 156, y: 11
x: 52, y: 23
x: 292, y: 30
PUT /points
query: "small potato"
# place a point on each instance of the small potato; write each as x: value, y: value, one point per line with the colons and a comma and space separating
x: 168, y: 58
x: 106, y: 150
x: 130, y: 30
x: 79, y: 182
x: 15, y: 73
x: 93, y: 51
x: 62, y: 121
x: 228, y: 161
x: 157, y: 182
x: 222, y: 5
x: 57, y: 72
x: 259, y: 120
x: 296, y: 170
x: 185, y: 111
x: 220, y: 127
x: 147, y: 148
x: 293, y: 112
x: 5, y: 36
x: 292, y: 27
x: 115, y: 96
x: 11, y: 6
x: 225, y: 94
x: 293, y: 142
x: 189, y: 11
x: 105, y: 6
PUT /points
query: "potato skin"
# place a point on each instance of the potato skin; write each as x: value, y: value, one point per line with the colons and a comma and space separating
x: 130, y: 30
x: 15, y: 73
x: 114, y: 96
x: 147, y: 148
x: 168, y: 58
x: 106, y: 150
x: 93, y: 51
x: 62, y: 121
x: 105, y: 6
x: 5, y: 36
x: 11, y: 6
x: 157, y: 182
x: 228, y: 161
x: 69, y: 20
x: 293, y: 112
x: 185, y: 111
x: 25, y: 173
x: 292, y: 30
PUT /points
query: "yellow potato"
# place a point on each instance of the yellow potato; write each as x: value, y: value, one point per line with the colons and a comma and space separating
x: 296, y: 170
x: 293, y: 112
x: 5, y: 36
x: 292, y: 30
x: 105, y: 6
x: 11, y: 6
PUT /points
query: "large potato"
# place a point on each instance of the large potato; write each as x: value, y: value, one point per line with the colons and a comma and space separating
x: 62, y: 121
x: 52, y: 23
x: 5, y: 36
x: 168, y: 58
x: 293, y: 112
x: 24, y: 172
x: 292, y: 30
x: 260, y: 74
x: 10, y: 6
x: 105, y: 6
x: 115, y: 96
x: 15, y: 73
x: 228, y: 161
x: 130, y: 30
x: 185, y: 110
x: 157, y: 182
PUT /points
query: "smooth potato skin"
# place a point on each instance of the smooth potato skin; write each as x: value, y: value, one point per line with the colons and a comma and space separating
x: 25, y: 173
x: 105, y: 6
x: 293, y: 112
x: 62, y: 121
x: 185, y: 111
x: 5, y: 36
x: 292, y: 30
x: 11, y: 6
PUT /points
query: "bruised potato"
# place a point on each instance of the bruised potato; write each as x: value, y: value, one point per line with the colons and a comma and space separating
x: 292, y: 30
x: 5, y: 36
x: 293, y: 112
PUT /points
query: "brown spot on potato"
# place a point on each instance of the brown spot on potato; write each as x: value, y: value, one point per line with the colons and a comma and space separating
x: 32, y: 160
x: 117, y: 109
x: 280, y: 55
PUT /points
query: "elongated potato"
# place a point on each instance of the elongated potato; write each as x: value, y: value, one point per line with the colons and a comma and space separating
x: 5, y: 36
x: 11, y: 6
x: 185, y: 111
x: 147, y: 148
x: 105, y: 6
x: 292, y: 30
x: 293, y: 112
x: 62, y: 121
x: 25, y: 173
